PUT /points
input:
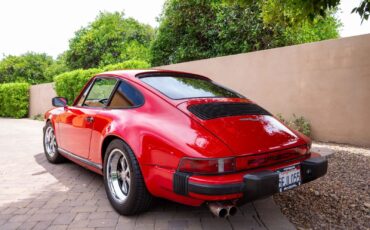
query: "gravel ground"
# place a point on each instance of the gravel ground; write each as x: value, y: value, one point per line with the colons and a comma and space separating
x: 339, y: 200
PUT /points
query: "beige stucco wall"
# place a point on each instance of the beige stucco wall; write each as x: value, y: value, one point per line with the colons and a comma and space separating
x: 40, y: 98
x: 326, y: 82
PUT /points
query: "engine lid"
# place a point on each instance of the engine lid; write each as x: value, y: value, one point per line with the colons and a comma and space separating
x: 242, y: 125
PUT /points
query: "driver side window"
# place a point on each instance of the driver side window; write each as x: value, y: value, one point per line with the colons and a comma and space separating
x: 100, y: 92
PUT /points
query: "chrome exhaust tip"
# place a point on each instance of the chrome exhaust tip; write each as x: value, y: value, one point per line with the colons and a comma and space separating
x: 231, y: 210
x: 219, y: 210
x: 222, y: 210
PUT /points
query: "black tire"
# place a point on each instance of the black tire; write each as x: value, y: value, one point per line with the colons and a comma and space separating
x: 53, y: 157
x: 138, y: 199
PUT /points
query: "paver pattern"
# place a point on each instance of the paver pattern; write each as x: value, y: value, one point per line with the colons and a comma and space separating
x: 35, y: 194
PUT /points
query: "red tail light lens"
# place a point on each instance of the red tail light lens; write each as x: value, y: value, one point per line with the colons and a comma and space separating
x: 207, y: 166
x: 271, y: 158
x: 233, y: 164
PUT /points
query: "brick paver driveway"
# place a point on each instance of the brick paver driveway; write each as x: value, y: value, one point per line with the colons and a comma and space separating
x: 37, y: 195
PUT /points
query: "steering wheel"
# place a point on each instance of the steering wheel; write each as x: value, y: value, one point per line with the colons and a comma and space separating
x: 103, y: 101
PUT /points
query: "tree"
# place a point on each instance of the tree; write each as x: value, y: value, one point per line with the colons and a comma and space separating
x: 297, y: 11
x: 363, y: 10
x: 197, y: 29
x: 57, y: 67
x: 29, y: 67
x: 109, y: 39
x: 311, y: 31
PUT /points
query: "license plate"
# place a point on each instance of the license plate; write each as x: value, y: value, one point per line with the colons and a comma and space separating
x: 289, y: 177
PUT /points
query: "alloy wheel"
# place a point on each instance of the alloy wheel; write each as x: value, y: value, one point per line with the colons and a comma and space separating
x: 118, y: 175
x: 50, y: 141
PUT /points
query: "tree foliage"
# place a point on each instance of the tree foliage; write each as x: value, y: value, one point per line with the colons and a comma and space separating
x: 198, y: 29
x: 311, y: 31
x: 363, y: 10
x: 293, y: 12
x: 57, y: 67
x: 297, y: 11
x: 29, y: 67
x: 109, y: 39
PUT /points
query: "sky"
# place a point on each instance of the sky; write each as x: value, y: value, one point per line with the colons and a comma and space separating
x: 45, y: 26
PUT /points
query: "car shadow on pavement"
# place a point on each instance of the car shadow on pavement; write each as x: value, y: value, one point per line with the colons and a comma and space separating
x: 72, y: 197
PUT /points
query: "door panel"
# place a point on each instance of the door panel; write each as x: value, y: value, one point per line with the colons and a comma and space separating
x: 76, y: 123
x: 102, y: 124
x: 117, y: 113
x: 75, y: 130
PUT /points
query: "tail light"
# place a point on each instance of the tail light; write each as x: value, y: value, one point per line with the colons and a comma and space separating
x: 207, y: 166
x: 234, y: 164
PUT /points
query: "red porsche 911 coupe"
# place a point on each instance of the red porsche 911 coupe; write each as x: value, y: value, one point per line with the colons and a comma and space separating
x: 178, y: 136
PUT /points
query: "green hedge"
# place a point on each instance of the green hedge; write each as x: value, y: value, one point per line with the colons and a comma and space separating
x: 69, y: 84
x: 132, y: 64
x: 14, y: 100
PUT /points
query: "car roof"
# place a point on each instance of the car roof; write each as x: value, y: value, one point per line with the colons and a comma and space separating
x: 134, y: 72
x: 127, y: 73
x: 131, y: 76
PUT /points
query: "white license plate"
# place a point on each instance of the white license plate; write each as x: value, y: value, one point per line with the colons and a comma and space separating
x: 289, y: 177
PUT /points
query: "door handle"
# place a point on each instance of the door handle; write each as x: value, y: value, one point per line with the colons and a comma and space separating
x: 89, y: 119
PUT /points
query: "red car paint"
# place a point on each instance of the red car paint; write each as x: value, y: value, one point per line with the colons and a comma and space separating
x: 163, y: 131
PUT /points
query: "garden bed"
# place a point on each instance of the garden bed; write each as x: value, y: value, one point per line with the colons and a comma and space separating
x: 339, y: 200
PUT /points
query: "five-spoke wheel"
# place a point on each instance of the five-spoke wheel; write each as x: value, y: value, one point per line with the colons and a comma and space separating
x: 118, y: 175
x: 123, y: 180
x: 51, y: 145
x: 50, y: 142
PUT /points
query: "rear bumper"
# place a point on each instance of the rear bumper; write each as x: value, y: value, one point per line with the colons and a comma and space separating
x: 255, y: 185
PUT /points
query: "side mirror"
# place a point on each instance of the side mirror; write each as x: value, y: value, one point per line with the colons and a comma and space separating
x: 59, y: 102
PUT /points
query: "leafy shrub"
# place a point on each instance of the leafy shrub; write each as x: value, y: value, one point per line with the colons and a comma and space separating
x: 69, y: 84
x: 298, y: 123
x: 14, y: 100
x: 132, y: 64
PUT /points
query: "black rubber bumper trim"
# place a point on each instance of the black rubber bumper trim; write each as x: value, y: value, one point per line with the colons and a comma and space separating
x: 313, y: 168
x: 255, y: 185
x: 180, y: 183
x: 222, y: 189
x: 260, y: 185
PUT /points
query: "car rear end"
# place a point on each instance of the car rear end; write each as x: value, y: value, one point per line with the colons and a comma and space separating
x: 267, y: 157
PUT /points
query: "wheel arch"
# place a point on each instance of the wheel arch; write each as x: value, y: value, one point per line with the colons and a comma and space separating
x: 108, y: 139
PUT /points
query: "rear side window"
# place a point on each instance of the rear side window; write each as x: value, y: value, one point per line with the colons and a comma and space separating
x: 181, y: 87
x: 126, y: 96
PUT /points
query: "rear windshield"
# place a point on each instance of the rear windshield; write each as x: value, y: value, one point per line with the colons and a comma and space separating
x: 181, y: 87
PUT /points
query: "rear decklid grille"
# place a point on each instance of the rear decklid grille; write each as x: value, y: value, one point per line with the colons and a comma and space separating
x: 225, y: 109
